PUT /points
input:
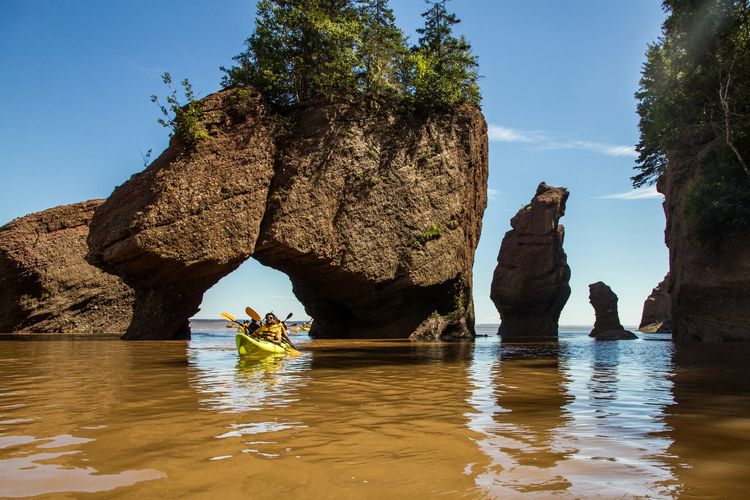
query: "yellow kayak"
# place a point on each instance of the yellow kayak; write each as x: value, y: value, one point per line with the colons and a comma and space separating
x: 248, y: 346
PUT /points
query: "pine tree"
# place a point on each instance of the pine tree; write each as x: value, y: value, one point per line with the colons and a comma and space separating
x: 445, y: 70
x: 382, y: 52
x: 301, y: 51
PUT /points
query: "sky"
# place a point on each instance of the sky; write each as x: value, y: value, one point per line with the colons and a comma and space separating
x: 558, y: 84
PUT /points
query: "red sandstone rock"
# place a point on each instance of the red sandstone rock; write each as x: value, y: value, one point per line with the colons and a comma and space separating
x: 374, y: 216
x: 46, y: 285
x: 530, y: 284
x: 710, y: 288
x: 190, y: 218
x: 657, y: 310
x: 607, y: 324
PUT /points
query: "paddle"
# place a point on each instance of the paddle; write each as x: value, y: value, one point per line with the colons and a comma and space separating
x: 251, y: 312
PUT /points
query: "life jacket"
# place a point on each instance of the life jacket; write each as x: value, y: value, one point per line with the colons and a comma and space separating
x: 270, y: 330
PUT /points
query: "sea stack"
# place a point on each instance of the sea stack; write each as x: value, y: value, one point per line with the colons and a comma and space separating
x: 46, y: 285
x: 607, y: 324
x: 657, y: 310
x: 530, y: 283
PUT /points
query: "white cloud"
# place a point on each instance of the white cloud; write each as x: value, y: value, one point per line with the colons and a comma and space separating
x: 498, y: 133
x: 492, y: 194
x: 636, y: 194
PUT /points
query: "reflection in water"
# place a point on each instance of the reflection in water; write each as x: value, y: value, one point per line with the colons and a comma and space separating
x: 520, y: 399
x: 370, y: 419
x: 710, y: 420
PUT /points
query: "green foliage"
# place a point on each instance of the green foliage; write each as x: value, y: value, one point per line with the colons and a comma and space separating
x: 382, y: 52
x: 433, y: 232
x: 705, y: 46
x: 445, y: 70
x: 185, y: 121
x: 301, y: 51
x: 694, y: 97
x: 717, y: 205
x: 240, y: 103
x: 452, y: 224
x: 312, y: 51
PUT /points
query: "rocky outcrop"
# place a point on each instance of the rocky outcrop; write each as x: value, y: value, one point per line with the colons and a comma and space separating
x: 710, y: 286
x: 192, y: 217
x: 374, y: 216
x: 607, y: 324
x: 530, y: 284
x: 657, y: 310
x: 46, y: 285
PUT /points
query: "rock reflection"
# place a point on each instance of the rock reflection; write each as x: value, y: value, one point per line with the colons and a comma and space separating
x: 520, y: 400
x: 709, y: 424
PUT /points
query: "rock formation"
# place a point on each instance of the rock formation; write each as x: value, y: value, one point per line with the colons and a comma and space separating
x: 657, y: 310
x: 607, y: 324
x: 46, y: 285
x: 374, y: 216
x: 710, y: 287
x: 192, y: 217
x: 530, y: 284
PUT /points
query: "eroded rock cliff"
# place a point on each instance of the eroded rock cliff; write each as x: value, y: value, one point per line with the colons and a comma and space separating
x: 374, y: 216
x: 530, y: 283
x: 657, y: 310
x: 192, y: 217
x: 607, y: 324
x: 46, y: 285
x: 710, y: 284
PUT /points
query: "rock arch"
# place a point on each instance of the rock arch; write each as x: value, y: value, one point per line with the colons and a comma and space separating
x: 374, y: 216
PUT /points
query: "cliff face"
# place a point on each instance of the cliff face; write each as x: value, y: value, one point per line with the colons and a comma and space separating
x: 374, y: 216
x: 530, y: 284
x: 46, y: 285
x: 192, y: 217
x: 710, y: 287
x: 657, y: 310
x: 607, y: 324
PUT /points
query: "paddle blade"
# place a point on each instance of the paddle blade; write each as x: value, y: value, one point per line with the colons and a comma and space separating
x: 250, y: 312
x: 288, y: 316
x: 228, y: 317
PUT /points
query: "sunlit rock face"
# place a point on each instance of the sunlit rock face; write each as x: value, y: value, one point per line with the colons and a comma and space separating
x: 374, y: 216
x: 530, y: 283
x: 607, y: 324
x: 657, y: 310
x: 710, y: 286
x: 192, y: 217
x: 46, y: 285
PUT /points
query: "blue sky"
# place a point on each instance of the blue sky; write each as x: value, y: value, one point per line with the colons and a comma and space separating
x: 558, y: 83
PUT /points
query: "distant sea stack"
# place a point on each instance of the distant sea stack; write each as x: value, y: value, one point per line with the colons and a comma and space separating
x: 657, y: 310
x: 373, y: 214
x: 46, y: 285
x: 530, y: 283
x: 607, y: 324
x: 710, y: 289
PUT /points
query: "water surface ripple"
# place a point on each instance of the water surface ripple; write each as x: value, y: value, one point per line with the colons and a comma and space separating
x: 368, y: 419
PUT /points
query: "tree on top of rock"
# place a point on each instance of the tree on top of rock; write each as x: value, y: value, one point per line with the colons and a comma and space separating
x: 312, y: 51
x: 382, y: 51
x: 694, y: 103
x: 301, y: 51
x: 445, y: 70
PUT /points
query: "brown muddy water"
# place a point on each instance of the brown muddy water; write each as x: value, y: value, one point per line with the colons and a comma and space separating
x: 374, y: 419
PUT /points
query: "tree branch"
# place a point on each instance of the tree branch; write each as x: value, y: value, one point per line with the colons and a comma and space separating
x: 724, y: 100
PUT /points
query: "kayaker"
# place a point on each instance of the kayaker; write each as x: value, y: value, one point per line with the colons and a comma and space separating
x: 250, y: 327
x: 272, y: 328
